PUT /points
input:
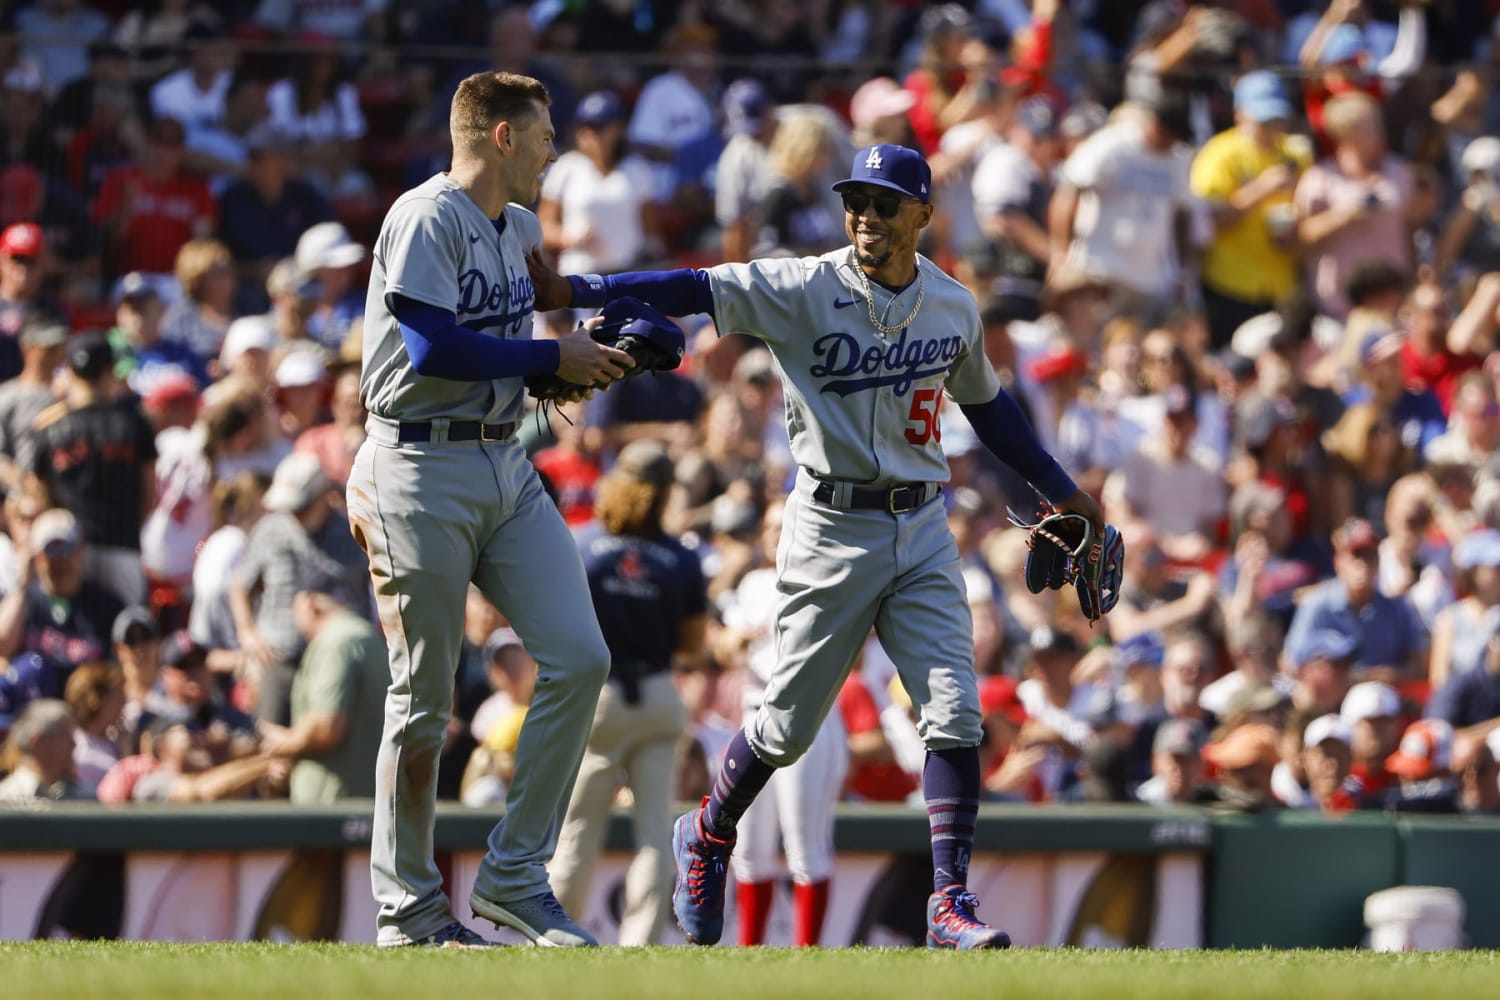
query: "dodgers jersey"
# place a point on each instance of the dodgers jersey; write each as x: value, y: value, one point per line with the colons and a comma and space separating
x: 860, y: 406
x: 438, y: 247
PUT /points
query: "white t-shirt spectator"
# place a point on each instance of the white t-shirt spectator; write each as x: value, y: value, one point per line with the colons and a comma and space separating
x: 670, y: 113
x: 742, y: 178
x: 177, y: 96
x: 60, y: 44
x: 969, y: 142
x: 211, y: 623
x: 608, y: 208
x: 1123, y: 231
x: 344, y: 19
x: 183, y: 515
x: 336, y: 120
x: 1175, y: 497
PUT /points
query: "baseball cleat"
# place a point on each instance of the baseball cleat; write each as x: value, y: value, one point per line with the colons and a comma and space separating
x: 541, y: 918
x: 702, y: 871
x: 951, y: 922
x: 455, y: 935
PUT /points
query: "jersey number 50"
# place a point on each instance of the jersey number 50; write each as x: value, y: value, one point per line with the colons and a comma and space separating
x: 925, y: 404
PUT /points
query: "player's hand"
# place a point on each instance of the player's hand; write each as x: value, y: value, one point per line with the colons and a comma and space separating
x: 551, y: 289
x: 1081, y: 503
x: 585, y: 362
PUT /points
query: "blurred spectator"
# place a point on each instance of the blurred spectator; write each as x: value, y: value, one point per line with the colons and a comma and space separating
x: 1392, y: 644
x: 300, y: 535
x: 1366, y: 457
x: 40, y: 745
x: 596, y: 207
x: 1471, y: 238
x: 492, y: 767
x: 302, y: 391
x: 338, y: 700
x: 1322, y: 665
x: 200, y: 318
x: 1414, y: 559
x: 1246, y: 175
x: 1253, y: 642
x: 24, y: 396
x: 336, y: 442
x: 1428, y: 358
x: 1326, y: 759
x: 21, y: 258
x: 136, y: 640
x: 262, y: 214
x: 1152, y: 601
x: 150, y: 209
x: 1417, y: 414
x: 95, y: 695
x: 1245, y: 758
x: 23, y: 110
x: 1176, y: 764
x: 1268, y: 566
x: 95, y: 455
x: 1049, y: 694
x: 1355, y: 205
x: 1423, y: 764
x: 1012, y: 188
x: 187, y: 768
x: 1371, y: 710
x: 649, y: 593
x: 743, y: 174
x: 675, y: 107
x: 343, y: 21
x: 245, y: 357
x: 572, y: 464
x: 1121, y: 212
x: 798, y: 215
x: 194, y: 96
x: 1348, y: 52
x: 153, y: 33
x: 1473, y: 433
x: 1462, y: 630
x: 143, y: 355
x: 512, y: 48
x: 1171, y: 484
x: 1470, y: 701
x: 329, y: 256
x: 878, y: 110
x: 236, y: 505
x: 222, y: 151
x: 1479, y: 780
x: 73, y: 104
x: 57, y: 33
x: 957, y: 74
x: 318, y: 107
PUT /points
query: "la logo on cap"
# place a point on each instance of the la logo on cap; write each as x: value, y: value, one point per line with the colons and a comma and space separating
x: 873, y: 161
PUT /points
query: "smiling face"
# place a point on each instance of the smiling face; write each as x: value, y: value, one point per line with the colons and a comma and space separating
x: 526, y: 142
x: 879, y: 237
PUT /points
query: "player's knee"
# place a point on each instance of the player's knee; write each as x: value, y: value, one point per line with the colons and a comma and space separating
x: 780, y: 746
x: 964, y: 729
x: 586, y: 660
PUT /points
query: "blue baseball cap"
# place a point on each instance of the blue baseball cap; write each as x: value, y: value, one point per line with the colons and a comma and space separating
x: 746, y: 104
x: 602, y: 107
x: 1325, y: 644
x: 894, y: 167
x: 1482, y: 548
x: 25, y: 679
x: 1345, y: 44
x: 629, y: 316
x: 1259, y: 96
x: 1144, y: 648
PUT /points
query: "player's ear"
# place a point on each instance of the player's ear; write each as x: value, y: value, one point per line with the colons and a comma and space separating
x: 925, y: 217
x: 501, y: 134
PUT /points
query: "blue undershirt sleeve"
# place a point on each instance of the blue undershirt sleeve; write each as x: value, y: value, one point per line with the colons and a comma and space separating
x: 1005, y: 431
x: 439, y: 347
x: 682, y: 292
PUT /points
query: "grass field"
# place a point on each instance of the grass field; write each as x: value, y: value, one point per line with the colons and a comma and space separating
x: 208, y: 971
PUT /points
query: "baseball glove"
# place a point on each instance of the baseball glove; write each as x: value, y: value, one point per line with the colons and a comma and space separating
x: 1064, y: 549
x: 652, y: 340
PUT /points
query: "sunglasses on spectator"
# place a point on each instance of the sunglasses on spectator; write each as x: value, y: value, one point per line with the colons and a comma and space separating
x: 887, y: 206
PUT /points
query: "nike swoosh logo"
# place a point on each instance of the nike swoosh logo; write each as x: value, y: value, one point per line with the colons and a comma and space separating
x: 842, y: 303
x: 473, y: 237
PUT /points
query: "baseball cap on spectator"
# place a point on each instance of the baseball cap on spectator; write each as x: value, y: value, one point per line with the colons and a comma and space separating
x: 134, y: 625
x: 41, y: 332
x: 22, y: 681
x: 895, y: 168
x: 55, y: 530
x: 1179, y: 737
x: 1325, y: 644
x: 1060, y: 362
x: 602, y: 107
x: 1260, y: 97
x: 1380, y: 346
x: 1037, y: 116
x: 1369, y: 700
x: 1481, y: 155
x: 645, y: 461
x: 248, y: 333
x: 879, y: 98
x: 1082, y: 120
x: 21, y: 239
x: 746, y: 105
x: 1051, y: 640
x: 1253, y: 743
x: 1326, y: 727
x: 134, y: 287
x: 1257, y: 416
x: 948, y: 19
x: 91, y: 356
x: 180, y: 652
x: 299, y: 368
x: 1355, y: 535
x: 1180, y: 401
x: 1144, y: 648
x: 997, y: 696
x: 174, y: 386
x: 1480, y: 548
x: 298, y: 481
x: 1345, y: 44
x: 1426, y: 749
x: 22, y: 190
x: 328, y: 244
x: 286, y: 278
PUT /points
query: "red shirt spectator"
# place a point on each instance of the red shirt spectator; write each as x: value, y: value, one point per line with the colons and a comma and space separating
x: 149, y: 211
x: 869, y: 781
x: 573, y: 475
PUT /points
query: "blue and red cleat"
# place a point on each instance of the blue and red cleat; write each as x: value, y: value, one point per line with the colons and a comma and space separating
x: 951, y: 922
x: 702, y: 871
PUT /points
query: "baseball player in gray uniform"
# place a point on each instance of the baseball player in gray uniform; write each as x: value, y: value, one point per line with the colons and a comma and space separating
x: 442, y: 494
x: 869, y: 338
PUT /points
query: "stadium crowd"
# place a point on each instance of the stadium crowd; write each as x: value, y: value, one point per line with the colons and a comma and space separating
x: 1239, y: 261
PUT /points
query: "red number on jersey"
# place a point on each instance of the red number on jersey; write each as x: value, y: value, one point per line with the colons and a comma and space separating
x: 925, y: 404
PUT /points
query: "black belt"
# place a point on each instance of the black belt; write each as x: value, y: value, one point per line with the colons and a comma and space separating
x: 458, y: 430
x: 897, y: 498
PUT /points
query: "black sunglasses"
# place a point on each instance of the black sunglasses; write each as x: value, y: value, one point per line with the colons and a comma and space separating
x: 886, y: 205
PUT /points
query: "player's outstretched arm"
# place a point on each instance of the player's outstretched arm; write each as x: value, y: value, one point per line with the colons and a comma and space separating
x: 680, y: 292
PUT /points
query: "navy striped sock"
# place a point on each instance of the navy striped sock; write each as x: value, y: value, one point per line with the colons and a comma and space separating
x: 741, y: 777
x: 950, y: 784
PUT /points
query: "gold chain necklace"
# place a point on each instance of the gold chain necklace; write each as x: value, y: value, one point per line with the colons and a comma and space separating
x: 864, y: 281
